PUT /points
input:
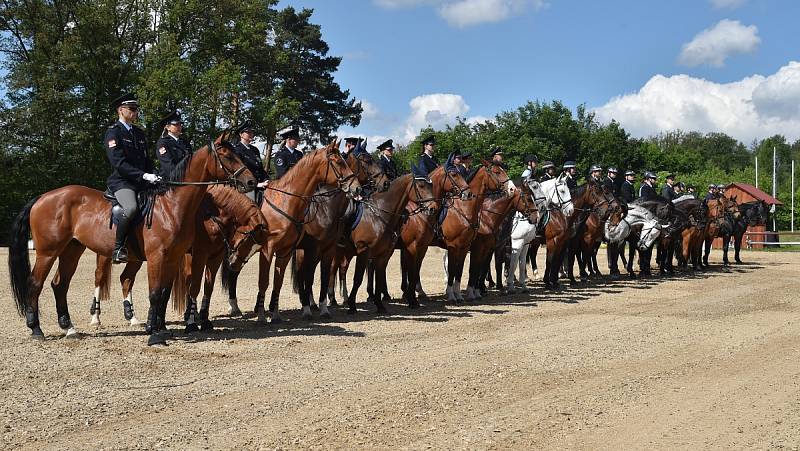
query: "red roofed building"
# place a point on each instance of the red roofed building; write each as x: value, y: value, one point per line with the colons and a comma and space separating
x: 749, y: 193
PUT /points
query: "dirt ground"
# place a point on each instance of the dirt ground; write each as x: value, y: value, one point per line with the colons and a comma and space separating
x: 693, y: 361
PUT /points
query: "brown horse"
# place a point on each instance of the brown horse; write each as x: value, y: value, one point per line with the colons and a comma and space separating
x: 65, y: 221
x: 461, y: 224
x: 228, y: 224
x: 325, y: 228
x: 286, y: 209
x: 497, y: 207
x: 373, y: 238
x: 722, y: 216
x: 691, y: 242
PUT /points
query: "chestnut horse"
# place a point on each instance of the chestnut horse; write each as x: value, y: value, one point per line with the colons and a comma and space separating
x: 373, y: 238
x: 325, y: 228
x: 228, y: 225
x: 65, y: 221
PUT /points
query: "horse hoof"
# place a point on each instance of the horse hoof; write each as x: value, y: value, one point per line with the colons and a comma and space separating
x: 134, y: 321
x: 206, y: 326
x: 190, y: 328
x: 71, y: 333
x: 413, y: 305
x: 334, y: 303
x: 234, y: 311
x: 315, y: 307
x: 37, y: 334
x: 276, y: 320
x: 325, y: 315
x: 307, y: 317
x: 156, y: 340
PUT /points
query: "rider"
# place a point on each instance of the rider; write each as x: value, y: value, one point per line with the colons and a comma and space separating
x: 595, y: 171
x: 466, y: 164
x: 172, y: 147
x: 720, y: 190
x: 497, y: 155
x: 251, y: 158
x: 626, y: 191
x: 569, y: 175
x: 549, y: 171
x: 610, y: 181
x: 712, y: 192
x: 427, y: 162
x: 386, y: 162
x: 349, y: 144
x: 126, y: 149
x: 530, y: 170
x: 691, y: 190
x: 680, y: 189
x: 668, y: 192
x: 288, y: 155
x: 648, y: 191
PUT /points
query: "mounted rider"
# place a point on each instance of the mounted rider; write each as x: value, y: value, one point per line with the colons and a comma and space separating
x: 668, y: 192
x: 595, y: 171
x: 626, y: 191
x: 648, y: 191
x: 349, y: 144
x: 549, y: 171
x: 569, y: 171
x: 610, y: 181
x: 712, y: 192
x: 427, y: 162
x: 466, y: 164
x: 530, y: 167
x: 386, y: 162
x: 126, y: 149
x: 251, y: 158
x: 172, y: 147
x: 289, y: 154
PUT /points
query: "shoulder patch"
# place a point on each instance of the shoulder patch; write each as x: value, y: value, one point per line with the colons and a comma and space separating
x: 279, y: 161
x: 112, y: 143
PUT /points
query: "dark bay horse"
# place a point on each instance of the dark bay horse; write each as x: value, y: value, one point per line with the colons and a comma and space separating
x: 722, y: 215
x: 228, y: 225
x: 373, y: 240
x: 692, y: 235
x: 66, y: 221
x: 326, y: 227
x: 751, y: 214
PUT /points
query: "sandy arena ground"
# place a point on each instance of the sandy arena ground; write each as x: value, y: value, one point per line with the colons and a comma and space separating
x: 694, y: 361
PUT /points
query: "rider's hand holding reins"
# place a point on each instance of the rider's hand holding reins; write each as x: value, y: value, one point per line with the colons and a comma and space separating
x: 152, y: 178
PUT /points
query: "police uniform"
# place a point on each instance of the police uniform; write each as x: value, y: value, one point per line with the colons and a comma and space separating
x: 126, y: 149
x: 462, y: 168
x: 528, y: 173
x: 170, y: 149
x: 668, y: 192
x: 427, y: 163
x: 546, y: 176
x: 286, y: 158
x: 571, y: 183
x: 387, y: 164
x: 626, y: 191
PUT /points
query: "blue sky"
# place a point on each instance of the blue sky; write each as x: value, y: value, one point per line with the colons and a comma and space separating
x: 710, y: 65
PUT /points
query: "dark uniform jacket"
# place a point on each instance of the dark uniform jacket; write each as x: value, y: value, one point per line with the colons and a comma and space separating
x: 389, y: 168
x: 668, y: 193
x: 285, y: 159
x: 546, y: 177
x: 647, y: 192
x: 127, y: 153
x: 427, y: 163
x: 626, y: 192
x: 709, y: 196
x: 571, y: 183
x: 608, y: 182
x: 170, y: 152
x: 252, y: 160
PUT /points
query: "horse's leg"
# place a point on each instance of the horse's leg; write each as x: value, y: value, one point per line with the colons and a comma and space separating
x: 264, y: 263
x: 324, y: 280
x: 629, y: 263
x: 160, y: 274
x: 621, y: 253
x: 343, y: 266
x: 102, y: 280
x: 737, y: 246
x: 512, y: 267
x: 233, y: 282
x: 299, y: 262
x: 612, y: 250
x: 370, y: 280
x: 126, y: 280
x: 67, y: 264
x: 358, y: 278
x: 522, y: 259
x: 461, y: 257
x: 277, y: 284
x: 707, y: 250
x: 328, y: 272
x: 417, y: 287
x: 533, y: 250
x: 209, y: 277
x: 725, y: 244
x: 406, y: 262
x: 381, y: 289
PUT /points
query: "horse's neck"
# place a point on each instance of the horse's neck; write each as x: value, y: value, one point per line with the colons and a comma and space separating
x: 396, y: 197
x: 187, y: 198
x: 236, y: 206
x: 500, y: 207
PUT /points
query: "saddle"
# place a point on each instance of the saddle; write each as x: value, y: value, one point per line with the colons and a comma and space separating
x: 544, y: 218
x: 352, y: 216
x: 144, y: 199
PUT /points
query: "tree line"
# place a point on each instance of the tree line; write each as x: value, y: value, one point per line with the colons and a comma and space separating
x: 552, y: 131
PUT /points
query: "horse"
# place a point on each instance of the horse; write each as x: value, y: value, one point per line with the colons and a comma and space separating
x: 751, y: 214
x: 639, y: 228
x: 722, y: 215
x: 496, y: 208
x: 373, y: 238
x: 325, y: 228
x: 692, y: 235
x: 66, y: 221
x: 673, y: 221
x: 591, y: 198
x: 418, y: 231
x: 228, y: 225
x: 460, y: 226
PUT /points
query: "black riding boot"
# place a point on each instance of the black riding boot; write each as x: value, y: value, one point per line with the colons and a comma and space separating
x: 120, y: 254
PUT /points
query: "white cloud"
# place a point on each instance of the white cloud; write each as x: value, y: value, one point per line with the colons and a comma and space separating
x: 752, y: 108
x: 370, y: 111
x: 437, y: 111
x: 464, y: 13
x: 729, y: 4
x: 714, y: 45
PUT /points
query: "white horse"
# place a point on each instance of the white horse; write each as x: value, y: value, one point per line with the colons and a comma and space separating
x: 549, y: 194
x: 637, y: 216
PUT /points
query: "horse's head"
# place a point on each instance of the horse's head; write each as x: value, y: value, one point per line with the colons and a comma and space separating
x: 449, y: 183
x: 423, y: 195
x: 245, y: 243
x: 496, y: 178
x: 367, y: 171
x: 558, y: 194
x: 526, y: 204
x: 226, y: 165
x: 333, y: 170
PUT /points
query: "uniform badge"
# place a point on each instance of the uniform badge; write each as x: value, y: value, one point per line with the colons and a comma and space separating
x: 112, y: 143
x: 279, y: 161
x: 162, y: 150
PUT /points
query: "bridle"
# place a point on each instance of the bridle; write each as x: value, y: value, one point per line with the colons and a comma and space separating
x: 456, y: 191
x: 232, y: 176
x: 363, y: 165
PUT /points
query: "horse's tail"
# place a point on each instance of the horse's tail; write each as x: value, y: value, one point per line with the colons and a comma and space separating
x: 179, y: 290
x: 226, y: 275
x: 103, y: 278
x: 295, y: 279
x: 19, y: 266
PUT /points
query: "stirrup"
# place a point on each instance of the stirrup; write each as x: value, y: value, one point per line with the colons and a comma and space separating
x: 120, y: 255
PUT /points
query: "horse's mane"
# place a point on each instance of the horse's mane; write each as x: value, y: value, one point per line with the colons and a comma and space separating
x: 230, y: 200
x: 299, y: 169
